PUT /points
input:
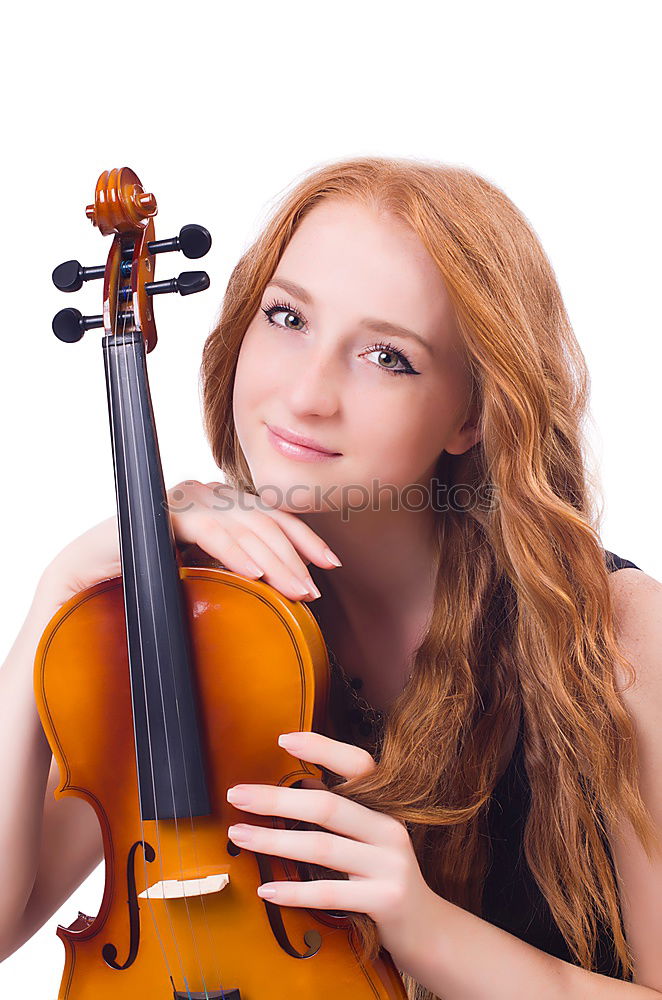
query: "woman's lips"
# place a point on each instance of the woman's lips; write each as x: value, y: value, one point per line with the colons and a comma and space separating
x: 298, y: 451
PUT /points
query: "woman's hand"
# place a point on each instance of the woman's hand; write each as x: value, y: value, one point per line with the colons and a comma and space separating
x: 234, y: 527
x: 374, y: 849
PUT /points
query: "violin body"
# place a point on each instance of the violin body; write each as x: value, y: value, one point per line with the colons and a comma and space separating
x: 261, y: 669
x: 163, y: 687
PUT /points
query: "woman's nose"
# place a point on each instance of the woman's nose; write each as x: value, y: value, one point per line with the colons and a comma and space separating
x: 315, y: 386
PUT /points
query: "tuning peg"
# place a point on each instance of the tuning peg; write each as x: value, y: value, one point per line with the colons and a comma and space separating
x: 69, y: 325
x: 187, y: 283
x: 69, y: 277
x: 193, y: 241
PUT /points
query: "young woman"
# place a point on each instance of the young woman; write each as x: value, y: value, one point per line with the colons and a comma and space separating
x: 394, y: 381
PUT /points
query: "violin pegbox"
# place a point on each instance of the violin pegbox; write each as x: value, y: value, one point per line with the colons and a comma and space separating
x: 122, y: 208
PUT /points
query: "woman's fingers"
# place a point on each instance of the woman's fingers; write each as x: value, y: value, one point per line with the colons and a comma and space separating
x: 316, y: 847
x: 300, y: 535
x: 281, y: 563
x: 305, y: 539
x: 243, y: 551
x: 345, y: 759
x: 275, y: 535
x: 234, y: 541
x: 213, y: 538
x: 320, y: 807
x: 248, y: 537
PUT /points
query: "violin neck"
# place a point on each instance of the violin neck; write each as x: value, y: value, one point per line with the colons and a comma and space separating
x: 171, y: 774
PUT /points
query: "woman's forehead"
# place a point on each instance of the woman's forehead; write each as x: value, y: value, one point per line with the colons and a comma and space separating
x: 369, y: 259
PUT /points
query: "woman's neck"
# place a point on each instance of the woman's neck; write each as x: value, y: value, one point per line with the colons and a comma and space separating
x: 388, y: 560
x: 387, y: 579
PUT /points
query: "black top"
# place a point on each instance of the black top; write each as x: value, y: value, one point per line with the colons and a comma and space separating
x: 511, y: 897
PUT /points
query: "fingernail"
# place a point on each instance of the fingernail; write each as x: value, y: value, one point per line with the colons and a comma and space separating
x: 332, y: 557
x: 312, y: 589
x: 287, y: 740
x: 239, y: 830
x: 265, y: 892
x: 237, y: 796
x: 254, y: 569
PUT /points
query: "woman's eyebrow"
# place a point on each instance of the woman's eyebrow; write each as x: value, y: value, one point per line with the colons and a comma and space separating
x: 289, y: 286
x: 376, y: 325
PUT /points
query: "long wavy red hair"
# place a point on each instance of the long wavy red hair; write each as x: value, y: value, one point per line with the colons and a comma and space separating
x: 523, y: 614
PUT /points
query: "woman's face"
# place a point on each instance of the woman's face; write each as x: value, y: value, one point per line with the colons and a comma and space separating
x: 327, y: 356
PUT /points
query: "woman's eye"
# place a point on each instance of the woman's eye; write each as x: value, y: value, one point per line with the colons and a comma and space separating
x: 290, y: 317
x: 393, y: 358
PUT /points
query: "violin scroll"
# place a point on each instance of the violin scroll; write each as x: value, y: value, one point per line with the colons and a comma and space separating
x: 120, y: 203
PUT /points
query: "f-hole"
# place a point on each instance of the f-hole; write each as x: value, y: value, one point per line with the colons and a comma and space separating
x: 109, y: 951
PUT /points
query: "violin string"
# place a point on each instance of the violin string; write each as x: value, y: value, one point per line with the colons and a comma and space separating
x: 111, y: 358
x: 201, y: 896
x: 141, y: 507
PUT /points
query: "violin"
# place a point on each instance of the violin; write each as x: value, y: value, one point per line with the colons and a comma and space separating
x: 161, y: 688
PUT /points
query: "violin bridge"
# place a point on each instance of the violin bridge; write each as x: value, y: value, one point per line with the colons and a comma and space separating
x: 173, y: 888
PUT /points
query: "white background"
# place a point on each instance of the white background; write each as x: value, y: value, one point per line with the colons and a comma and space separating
x: 219, y: 108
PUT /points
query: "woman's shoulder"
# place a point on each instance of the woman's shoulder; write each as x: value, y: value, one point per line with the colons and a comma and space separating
x: 637, y: 603
x: 631, y: 586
